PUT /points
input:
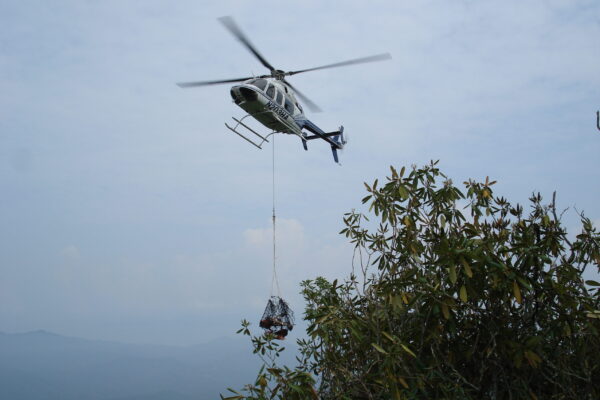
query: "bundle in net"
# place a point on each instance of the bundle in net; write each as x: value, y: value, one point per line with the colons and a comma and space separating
x: 278, y: 318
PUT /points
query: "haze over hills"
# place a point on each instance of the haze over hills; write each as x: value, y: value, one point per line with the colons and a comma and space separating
x: 45, y: 366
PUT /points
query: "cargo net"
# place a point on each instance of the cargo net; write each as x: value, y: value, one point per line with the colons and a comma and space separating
x: 278, y: 318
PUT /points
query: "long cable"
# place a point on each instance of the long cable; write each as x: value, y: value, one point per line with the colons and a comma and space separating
x: 274, y: 280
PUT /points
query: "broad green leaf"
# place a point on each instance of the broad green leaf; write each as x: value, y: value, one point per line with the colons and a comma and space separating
x: 592, y: 283
x: 397, y: 302
x: 262, y: 381
x: 463, y: 294
x: 594, y: 314
x: 402, y: 192
x: 379, y: 348
x: 545, y: 220
x: 404, y: 298
x: 524, y: 283
x: 452, y: 271
x: 517, y: 292
x: 409, y: 351
x: 468, y: 269
x: 387, y: 335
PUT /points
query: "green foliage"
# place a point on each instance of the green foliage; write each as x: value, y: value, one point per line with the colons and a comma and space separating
x: 443, y: 303
x: 274, y: 381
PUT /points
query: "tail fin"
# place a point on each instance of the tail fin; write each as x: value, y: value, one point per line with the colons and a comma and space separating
x: 335, y: 154
x: 340, y: 142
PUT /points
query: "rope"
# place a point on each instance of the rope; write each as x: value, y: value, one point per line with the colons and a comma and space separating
x: 274, y: 280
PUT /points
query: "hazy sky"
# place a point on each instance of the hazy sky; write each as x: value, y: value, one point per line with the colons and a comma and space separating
x: 127, y: 210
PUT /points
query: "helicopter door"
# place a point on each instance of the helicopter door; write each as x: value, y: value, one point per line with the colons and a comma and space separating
x: 271, y: 91
x: 289, y: 106
x: 279, y: 98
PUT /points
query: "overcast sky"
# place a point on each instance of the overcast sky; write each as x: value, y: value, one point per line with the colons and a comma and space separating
x: 128, y: 212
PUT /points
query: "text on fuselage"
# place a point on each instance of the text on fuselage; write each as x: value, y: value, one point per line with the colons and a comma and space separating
x: 274, y: 107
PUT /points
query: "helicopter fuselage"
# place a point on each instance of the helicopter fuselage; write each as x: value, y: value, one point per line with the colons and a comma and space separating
x: 273, y: 103
x: 270, y: 102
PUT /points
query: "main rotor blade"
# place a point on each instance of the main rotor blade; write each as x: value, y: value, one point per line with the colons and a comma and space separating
x: 378, y: 57
x: 237, y: 32
x: 206, y: 83
x: 309, y: 103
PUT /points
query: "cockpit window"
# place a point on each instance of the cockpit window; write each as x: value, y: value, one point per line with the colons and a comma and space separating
x: 270, y: 91
x: 279, y: 98
x: 259, y: 83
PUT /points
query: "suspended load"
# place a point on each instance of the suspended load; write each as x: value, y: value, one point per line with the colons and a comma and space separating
x: 278, y: 318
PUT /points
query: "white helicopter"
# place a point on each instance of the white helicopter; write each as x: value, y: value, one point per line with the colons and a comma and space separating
x: 271, y: 99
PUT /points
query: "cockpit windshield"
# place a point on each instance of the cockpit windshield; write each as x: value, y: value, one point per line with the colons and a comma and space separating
x: 259, y: 83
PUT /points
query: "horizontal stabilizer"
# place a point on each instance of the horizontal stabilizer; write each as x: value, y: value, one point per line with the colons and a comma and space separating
x: 335, y: 139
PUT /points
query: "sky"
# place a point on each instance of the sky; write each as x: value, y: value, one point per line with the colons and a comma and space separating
x: 128, y: 212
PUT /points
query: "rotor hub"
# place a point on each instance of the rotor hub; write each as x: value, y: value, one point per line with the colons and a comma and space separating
x: 278, y: 74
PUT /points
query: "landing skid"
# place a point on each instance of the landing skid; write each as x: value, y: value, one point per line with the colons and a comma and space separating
x: 240, y: 123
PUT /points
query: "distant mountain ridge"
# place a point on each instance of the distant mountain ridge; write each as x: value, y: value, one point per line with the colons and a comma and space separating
x: 41, y: 365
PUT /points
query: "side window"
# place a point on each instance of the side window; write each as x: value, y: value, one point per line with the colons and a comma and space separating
x: 289, y: 106
x: 270, y: 91
x: 279, y: 98
x: 260, y: 83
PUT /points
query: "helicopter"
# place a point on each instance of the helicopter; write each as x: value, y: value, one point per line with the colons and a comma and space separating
x: 273, y: 101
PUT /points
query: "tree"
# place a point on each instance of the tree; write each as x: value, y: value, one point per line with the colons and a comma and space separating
x: 440, y: 304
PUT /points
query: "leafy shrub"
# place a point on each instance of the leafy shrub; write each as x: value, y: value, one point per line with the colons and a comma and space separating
x: 440, y: 304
